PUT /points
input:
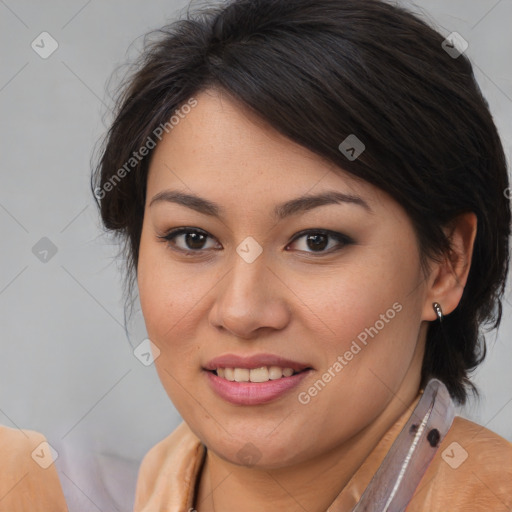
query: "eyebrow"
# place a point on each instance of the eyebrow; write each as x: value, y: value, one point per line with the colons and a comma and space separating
x: 281, y: 211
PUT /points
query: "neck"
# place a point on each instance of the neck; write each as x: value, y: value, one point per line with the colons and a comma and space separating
x: 312, y: 485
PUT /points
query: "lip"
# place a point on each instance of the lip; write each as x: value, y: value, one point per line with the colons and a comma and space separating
x: 254, y: 361
x: 254, y: 393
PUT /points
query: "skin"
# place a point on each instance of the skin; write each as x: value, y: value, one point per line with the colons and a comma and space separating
x: 295, y: 300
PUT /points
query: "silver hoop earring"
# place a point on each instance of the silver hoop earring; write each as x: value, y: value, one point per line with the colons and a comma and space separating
x: 438, y: 310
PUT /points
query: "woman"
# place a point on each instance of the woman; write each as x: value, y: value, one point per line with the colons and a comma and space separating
x: 312, y: 195
x: 28, y: 479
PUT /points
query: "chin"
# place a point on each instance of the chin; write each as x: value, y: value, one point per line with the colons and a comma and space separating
x: 244, y: 447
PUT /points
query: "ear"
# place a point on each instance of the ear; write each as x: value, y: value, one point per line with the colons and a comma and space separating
x: 448, y: 278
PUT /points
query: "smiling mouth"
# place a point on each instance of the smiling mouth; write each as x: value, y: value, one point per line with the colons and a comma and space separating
x: 256, y: 375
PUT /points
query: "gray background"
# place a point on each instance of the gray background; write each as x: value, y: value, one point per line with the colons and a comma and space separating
x: 66, y: 365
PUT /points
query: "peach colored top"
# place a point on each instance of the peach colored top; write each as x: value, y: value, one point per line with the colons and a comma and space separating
x: 28, y: 479
x: 481, y: 483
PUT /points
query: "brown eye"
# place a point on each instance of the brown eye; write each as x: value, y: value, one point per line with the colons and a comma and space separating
x: 317, y: 241
x: 192, y: 240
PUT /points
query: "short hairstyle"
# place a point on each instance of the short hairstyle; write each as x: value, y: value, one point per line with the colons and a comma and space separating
x: 318, y: 71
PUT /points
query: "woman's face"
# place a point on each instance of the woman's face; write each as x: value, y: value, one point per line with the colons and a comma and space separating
x: 256, y: 283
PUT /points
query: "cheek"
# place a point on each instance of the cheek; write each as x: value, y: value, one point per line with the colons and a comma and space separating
x: 371, y: 316
x: 172, y: 297
x: 354, y: 300
x: 164, y: 291
x: 167, y: 302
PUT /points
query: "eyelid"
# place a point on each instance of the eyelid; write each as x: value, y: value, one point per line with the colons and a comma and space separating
x: 341, y: 238
x: 333, y: 234
x: 170, y: 235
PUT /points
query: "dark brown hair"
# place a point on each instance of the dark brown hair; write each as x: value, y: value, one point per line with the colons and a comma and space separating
x: 318, y: 71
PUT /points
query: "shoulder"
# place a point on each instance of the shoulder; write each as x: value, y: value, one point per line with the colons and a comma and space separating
x: 13, y: 440
x: 472, y: 470
x: 484, y: 444
x: 18, y: 449
x: 169, y: 468
x: 28, y: 477
x: 476, y: 449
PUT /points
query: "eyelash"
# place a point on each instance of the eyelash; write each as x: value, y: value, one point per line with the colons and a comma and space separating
x: 342, y: 239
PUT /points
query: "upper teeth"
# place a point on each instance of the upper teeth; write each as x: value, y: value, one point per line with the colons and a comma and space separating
x: 262, y: 374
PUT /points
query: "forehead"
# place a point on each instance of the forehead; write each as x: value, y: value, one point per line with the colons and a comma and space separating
x: 221, y: 147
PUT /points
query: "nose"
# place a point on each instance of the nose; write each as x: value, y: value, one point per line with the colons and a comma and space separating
x: 250, y: 300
